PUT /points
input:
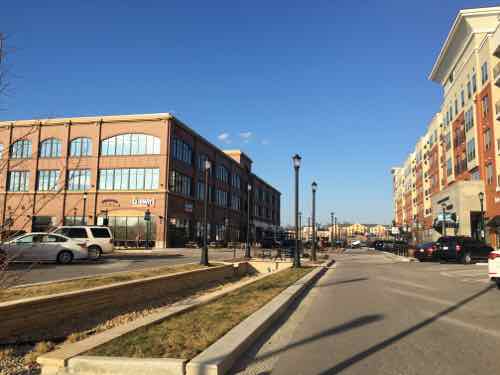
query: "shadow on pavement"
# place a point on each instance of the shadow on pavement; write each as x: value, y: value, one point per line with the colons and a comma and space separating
x: 341, y: 282
x: 251, y: 355
x: 391, y: 340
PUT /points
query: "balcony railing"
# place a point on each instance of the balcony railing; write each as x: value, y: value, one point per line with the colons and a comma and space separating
x: 496, y: 74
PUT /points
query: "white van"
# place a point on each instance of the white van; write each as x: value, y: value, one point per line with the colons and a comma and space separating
x: 99, y: 240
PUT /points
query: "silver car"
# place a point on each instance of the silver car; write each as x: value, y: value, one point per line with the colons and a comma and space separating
x: 51, y: 247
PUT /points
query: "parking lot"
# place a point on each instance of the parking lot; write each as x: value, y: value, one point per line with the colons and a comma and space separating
x: 25, y: 273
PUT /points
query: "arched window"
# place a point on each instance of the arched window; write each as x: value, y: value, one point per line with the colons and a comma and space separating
x: 50, y: 148
x: 131, y: 144
x: 80, y: 147
x: 21, y: 149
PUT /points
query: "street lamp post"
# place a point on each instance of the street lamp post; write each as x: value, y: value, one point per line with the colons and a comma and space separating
x: 204, y: 250
x: 247, y: 248
x: 84, y: 216
x: 300, y: 225
x: 314, y: 187
x: 443, y: 222
x: 332, y: 215
x: 147, y: 219
x: 481, y: 199
x: 296, y: 165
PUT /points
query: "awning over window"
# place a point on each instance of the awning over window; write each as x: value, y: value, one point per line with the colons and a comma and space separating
x: 495, y: 222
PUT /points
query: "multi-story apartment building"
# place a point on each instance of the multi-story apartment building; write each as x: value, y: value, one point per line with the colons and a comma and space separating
x: 115, y: 168
x: 457, y: 157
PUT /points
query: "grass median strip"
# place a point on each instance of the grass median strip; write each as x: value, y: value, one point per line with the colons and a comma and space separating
x: 188, y: 334
x: 12, y: 294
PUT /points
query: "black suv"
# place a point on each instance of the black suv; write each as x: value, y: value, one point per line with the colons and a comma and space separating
x: 462, y: 249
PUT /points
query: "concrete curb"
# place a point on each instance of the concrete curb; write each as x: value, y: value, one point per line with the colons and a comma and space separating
x: 58, y: 361
x: 126, y: 366
x: 219, y: 357
x: 399, y: 257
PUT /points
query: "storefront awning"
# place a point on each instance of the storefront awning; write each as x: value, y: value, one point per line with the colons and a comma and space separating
x: 495, y: 222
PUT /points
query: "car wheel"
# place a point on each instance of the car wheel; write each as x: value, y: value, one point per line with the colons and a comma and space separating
x: 95, y: 252
x: 467, y: 258
x: 64, y: 257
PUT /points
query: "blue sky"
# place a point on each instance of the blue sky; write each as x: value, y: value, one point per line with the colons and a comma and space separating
x: 343, y: 83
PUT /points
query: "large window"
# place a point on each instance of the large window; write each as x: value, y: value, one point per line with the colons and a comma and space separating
x: 182, y: 151
x: 19, y: 180
x: 487, y: 139
x: 485, y: 105
x: 180, y: 183
x: 200, y: 191
x: 489, y: 173
x: 471, y: 150
x: 21, y: 149
x: 78, y: 179
x: 235, y: 202
x: 469, y: 119
x: 236, y: 181
x: 129, y: 179
x: 80, y: 147
x: 221, y: 197
x: 47, y: 180
x: 50, y: 148
x: 222, y: 174
x: 484, y: 73
x: 130, y: 144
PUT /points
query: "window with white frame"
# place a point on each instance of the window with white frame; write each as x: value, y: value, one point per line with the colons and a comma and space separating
x: 489, y: 173
x: 47, y: 180
x: 50, y: 148
x: 484, y: 73
x: 79, y: 179
x: 487, y: 139
x: 469, y: 119
x: 485, y: 105
x: 471, y: 150
x: 19, y: 180
x: 21, y: 149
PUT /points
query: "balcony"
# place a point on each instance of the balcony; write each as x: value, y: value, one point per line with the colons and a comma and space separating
x: 496, y: 74
x: 496, y: 43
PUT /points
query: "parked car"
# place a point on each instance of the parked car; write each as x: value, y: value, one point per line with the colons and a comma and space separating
x: 462, y: 249
x: 44, y: 247
x: 425, y: 251
x: 494, y: 267
x: 99, y: 240
x: 269, y: 243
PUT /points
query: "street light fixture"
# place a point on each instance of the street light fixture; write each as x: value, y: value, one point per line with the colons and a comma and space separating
x: 204, y: 250
x: 296, y: 165
x: 84, y: 216
x: 247, y: 248
x: 314, y: 187
x: 481, y: 199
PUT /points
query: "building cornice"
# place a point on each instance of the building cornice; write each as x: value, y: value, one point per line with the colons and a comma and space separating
x: 89, y: 119
x: 460, y: 17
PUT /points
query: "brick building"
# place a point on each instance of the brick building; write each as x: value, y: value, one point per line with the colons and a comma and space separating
x: 118, y: 167
x: 457, y: 158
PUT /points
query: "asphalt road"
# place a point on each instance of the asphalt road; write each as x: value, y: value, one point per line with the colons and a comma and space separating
x: 372, y: 314
x: 24, y: 273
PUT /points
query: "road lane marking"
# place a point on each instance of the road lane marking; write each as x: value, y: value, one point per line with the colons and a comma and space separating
x: 462, y: 324
x: 405, y: 283
x: 439, y: 301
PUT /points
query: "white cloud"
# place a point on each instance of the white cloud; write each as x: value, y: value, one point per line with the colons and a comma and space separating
x: 245, y: 135
x: 224, y: 137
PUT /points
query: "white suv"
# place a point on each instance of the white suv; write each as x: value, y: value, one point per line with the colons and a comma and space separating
x: 99, y: 240
x: 494, y: 266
